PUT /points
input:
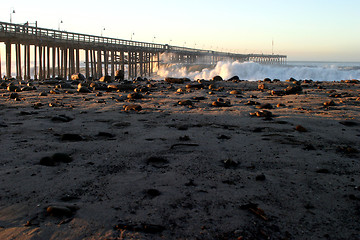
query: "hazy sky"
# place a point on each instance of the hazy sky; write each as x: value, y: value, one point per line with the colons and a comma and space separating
x: 301, y: 29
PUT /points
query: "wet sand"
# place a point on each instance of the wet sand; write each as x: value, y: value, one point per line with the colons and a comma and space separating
x: 255, y: 166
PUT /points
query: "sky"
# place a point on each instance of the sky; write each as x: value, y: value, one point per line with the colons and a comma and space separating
x: 312, y: 30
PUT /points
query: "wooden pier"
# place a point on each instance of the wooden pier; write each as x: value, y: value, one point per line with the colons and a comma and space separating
x: 46, y: 53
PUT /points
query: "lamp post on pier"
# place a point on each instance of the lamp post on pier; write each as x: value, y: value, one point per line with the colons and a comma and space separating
x: 59, y: 24
x: 12, y: 10
x: 102, y: 29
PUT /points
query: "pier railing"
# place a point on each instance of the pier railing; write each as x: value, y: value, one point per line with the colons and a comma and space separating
x: 10, y: 29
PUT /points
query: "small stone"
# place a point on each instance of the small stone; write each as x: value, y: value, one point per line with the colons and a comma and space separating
x: 262, y: 86
x: 265, y: 106
x: 322, y: 170
x: 152, y: 193
x: 349, y: 123
x: 262, y: 113
x: 347, y: 149
x: 71, y: 137
x: 223, y: 137
x: 14, y: 95
x: 47, y: 161
x: 329, y: 103
x: 260, y: 177
x: 181, y: 90
x: 174, y: 80
x: 132, y: 107
x: 278, y: 92
x: 135, y: 95
x: 252, y: 103
x: 309, y: 147
x: 300, y: 128
x: 142, y: 90
x: 43, y: 94
x: 62, y: 157
x: 199, y: 98
x: 61, y: 118
x: 293, y: 89
x: 59, y: 211
x: 194, y: 86
x: 235, y: 92
x: 84, y: 89
x: 157, y: 161
x: 54, y: 91
x: 185, y: 103
x: 229, y: 163
x: 221, y: 104
x: 267, y: 80
x: 184, y: 138
x: 121, y: 124
x: 105, y: 135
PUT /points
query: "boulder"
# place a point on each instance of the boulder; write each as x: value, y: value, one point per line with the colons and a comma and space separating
x: 195, y: 86
x: 119, y: 75
x: 13, y: 88
x: 217, y: 78
x: 174, y: 80
x: 234, y: 78
x: 293, y: 89
x: 105, y: 78
x: 77, y: 76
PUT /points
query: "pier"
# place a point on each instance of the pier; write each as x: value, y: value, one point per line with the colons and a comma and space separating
x: 42, y: 53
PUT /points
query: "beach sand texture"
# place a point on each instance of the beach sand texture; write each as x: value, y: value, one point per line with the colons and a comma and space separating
x: 201, y: 161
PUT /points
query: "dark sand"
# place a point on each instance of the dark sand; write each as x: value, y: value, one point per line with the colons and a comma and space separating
x: 181, y: 172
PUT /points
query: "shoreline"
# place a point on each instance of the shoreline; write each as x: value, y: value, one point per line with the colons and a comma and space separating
x: 206, y: 160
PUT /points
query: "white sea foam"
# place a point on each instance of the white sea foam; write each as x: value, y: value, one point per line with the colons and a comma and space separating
x: 256, y: 71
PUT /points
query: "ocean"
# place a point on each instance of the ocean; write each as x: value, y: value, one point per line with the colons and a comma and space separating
x: 304, y: 70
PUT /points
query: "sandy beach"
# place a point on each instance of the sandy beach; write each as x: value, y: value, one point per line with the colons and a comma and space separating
x: 194, y: 160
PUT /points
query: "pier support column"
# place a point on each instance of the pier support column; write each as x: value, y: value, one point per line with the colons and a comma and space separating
x: 87, y: 75
x: 35, y: 61
x: 25, y: 62
x: 18, y: 61
x: 40, y: 63
x: 78, y: 60
x: 122, y: 60
x: 158, y: 61
x: 58, y: 62
x: 112, y: 65
x: 53, y: 61
x: 135, y: 64
x: 65, y: 62
x: 141, y: 60
x: 48, y: 62
x: 99, y: 64
x: 92, y: 63
x: 28, y: 62
x: 129, y: 65
x: 8, y: 60
x: 0, y: 66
